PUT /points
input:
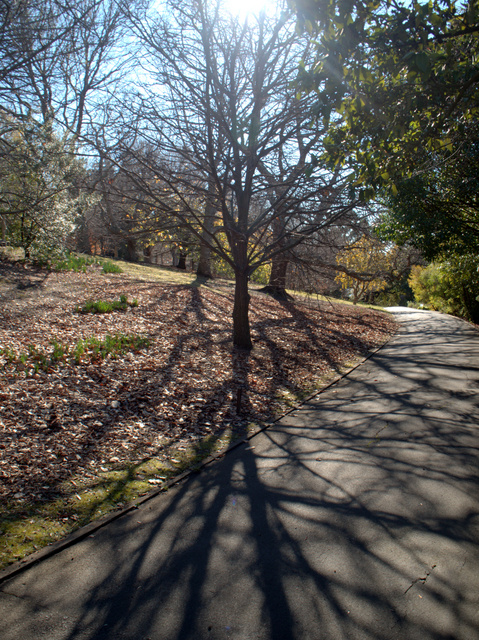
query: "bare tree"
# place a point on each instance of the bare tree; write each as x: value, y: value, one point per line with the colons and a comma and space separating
x: 62, y: 60
x: 72, y: 54
x: 29, y: 30
x: 219, y: 108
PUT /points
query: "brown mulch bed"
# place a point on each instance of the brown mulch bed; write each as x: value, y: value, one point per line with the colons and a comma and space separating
x: 72, y: 419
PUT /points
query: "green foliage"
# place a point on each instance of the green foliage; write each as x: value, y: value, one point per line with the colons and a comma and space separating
x: 396, y: 83
x: 427, y: 286
x: 107, y: 306
x: 111, y: 346
x: 39, y: 194
x: 451, y: 286
x: 223, y: 269
x: 72, y: 262
x: 65, y: 261
x: 83, y: 352
x: 398, y: 293
x: 438, y: 211
x: 261, y: 274
x: 111, y: 267
x: 363, y: 267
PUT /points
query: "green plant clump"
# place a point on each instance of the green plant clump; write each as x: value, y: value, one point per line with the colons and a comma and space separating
x: 111, y: 346
x: 107, y: 306
x: 72, y: 262
x: 111, y: 267
x: 85, y: 351
x: 450, y: 286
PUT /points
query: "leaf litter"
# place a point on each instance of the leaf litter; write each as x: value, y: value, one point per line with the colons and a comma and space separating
x: 76, y: 421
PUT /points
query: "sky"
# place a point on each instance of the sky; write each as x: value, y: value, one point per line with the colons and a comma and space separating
x: 243, y: 7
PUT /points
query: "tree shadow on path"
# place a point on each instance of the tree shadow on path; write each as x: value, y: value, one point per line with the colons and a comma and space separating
x: 355, y: 518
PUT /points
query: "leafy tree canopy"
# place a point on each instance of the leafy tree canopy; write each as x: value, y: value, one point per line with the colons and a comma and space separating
x: 438, y: 210
x: 39, y: 194
x: 398, y: 82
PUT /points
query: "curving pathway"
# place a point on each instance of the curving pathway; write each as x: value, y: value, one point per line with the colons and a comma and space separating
x: 355, y: 517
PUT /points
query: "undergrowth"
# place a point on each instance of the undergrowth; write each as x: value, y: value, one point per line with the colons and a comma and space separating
x: 83, y: 352
x: 106, y: 306
x: 73, y: 262
x: 111, y: 267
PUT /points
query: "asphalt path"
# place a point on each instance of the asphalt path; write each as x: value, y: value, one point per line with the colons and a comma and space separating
x: 355, y: 517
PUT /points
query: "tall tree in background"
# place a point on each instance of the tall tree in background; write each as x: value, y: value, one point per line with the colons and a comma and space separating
x: 438, y: 210
x: 219, y: 109
x: 61, y: 61
x: 38, y: 198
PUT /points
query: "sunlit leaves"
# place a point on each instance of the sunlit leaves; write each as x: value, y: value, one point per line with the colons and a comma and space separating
x: 38, y: 193
x: 363, y: 266
x: 399, y: 77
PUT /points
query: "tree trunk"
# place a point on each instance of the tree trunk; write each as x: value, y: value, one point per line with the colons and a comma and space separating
x: 241, y: 328
x: 182, y: 260
x: 3, y: 228
x: 131, y: 250
x: 277, y: 280
x: 279, y: 268
x: 204, y: 264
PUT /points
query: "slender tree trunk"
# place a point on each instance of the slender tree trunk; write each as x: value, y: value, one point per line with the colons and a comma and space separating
x: 182, y: 261
x: 241, y: 327
x: 204, y: 264
x: 131, y: 250
x: 3, y: 228
x: 276, y: 286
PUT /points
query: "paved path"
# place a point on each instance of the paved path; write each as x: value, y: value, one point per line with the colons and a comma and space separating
x: 355, y: 517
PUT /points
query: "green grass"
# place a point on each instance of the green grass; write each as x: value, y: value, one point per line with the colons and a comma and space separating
x: 73, y: 262
x: 84, y: 351
x: 28, y: 526
x: 153, y: 273
x: 106, y: 306
x: 320, y: 298
x: 111, y: 267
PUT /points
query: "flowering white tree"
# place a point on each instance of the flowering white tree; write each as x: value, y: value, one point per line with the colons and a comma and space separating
x: 39, y: 195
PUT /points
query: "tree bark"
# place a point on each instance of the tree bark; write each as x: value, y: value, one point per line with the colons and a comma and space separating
x: 182, y: 261
x: 241, y: 327
x: 204, y: 265
x: 3, y: 229
x: 131, y: 250
x: 279, y: 268
x: 276, y: 286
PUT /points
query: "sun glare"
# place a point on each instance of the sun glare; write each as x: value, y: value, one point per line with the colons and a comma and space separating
x: 245, y: 7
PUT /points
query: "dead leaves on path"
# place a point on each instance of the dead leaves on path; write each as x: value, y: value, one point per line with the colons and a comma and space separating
x: 81, y: 419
